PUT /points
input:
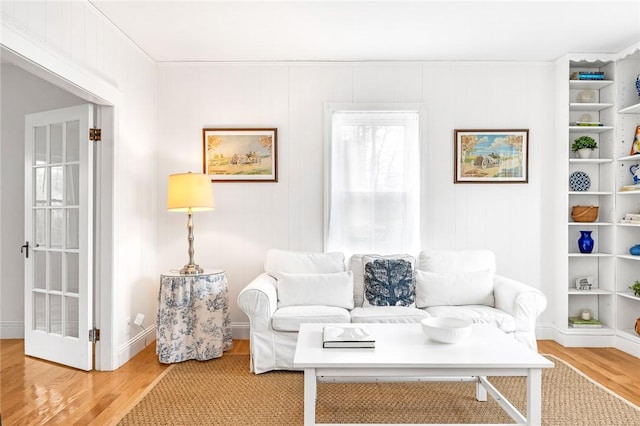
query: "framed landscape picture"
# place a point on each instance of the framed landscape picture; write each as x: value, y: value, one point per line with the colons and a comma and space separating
x: 491, y: 156
x: 240, y: 155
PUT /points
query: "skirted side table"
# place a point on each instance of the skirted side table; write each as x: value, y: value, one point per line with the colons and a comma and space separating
x: 193, y: 317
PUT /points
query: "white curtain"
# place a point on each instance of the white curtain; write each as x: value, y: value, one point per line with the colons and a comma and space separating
x: 374, y: 183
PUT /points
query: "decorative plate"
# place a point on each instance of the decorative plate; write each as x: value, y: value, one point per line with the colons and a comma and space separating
x: 586, y: 96
x: 585, y: 118
x: 579, y: 181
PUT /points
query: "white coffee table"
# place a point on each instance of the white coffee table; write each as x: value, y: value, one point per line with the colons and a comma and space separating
x: 404, y: 353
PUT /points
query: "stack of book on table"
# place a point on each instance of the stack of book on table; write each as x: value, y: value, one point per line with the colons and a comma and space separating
x: 587, y: 75
x: 577, y: 322
x: 631, y: 218
x: 347, y: 336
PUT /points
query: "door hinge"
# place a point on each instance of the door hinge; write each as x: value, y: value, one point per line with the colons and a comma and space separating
x: 95, y: 134
x: 94, y: 335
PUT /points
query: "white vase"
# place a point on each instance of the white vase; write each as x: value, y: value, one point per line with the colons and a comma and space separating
x: 584, y: 153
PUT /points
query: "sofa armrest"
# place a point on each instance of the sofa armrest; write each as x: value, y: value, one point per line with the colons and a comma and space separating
x: 522, y: 301
x: 259, y: 300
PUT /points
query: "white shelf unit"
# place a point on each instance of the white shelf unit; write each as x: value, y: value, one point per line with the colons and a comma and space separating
x: 600, y: 167
x: 627, y: 235
x: 616, y: 105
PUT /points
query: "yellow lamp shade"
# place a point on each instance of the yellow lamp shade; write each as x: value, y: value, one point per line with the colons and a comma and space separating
x: 189, y: 192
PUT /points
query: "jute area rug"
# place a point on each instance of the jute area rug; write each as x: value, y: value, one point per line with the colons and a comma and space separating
x: 224, y: 392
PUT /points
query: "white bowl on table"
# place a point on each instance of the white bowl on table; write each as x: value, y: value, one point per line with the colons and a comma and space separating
x: 446, y: 330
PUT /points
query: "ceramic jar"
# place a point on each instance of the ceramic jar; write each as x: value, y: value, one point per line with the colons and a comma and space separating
x: 585, y: 242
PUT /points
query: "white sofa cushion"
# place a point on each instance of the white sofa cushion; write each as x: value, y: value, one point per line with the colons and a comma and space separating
x: 478, y: 314
x: 356, y: 265
x: 290, y: 318
x: 295, y: 262
x: 454, y: 289
x: 456, y: 260
x: 334, y: 289
x: 388, y: 314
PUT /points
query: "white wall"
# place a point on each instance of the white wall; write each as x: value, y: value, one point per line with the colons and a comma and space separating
x: 250, y: 218
x: 22, y: 93
x: 76, y: 42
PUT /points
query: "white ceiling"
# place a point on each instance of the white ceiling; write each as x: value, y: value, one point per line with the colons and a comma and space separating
x: 355, y: 30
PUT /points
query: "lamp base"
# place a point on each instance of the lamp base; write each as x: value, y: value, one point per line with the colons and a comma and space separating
x: 191, y: 269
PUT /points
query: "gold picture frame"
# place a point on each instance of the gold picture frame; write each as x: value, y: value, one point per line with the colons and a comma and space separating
x: 491, y: 156
x: 240, y: 155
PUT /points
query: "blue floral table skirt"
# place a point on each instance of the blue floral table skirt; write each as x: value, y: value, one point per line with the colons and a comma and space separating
x: 193, y: 317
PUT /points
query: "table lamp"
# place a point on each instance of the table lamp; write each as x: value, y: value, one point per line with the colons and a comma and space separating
x: 190, y: 192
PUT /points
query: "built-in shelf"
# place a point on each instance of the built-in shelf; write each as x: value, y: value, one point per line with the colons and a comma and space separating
x: 635, y: 157
x: 577, y: 106
x: 590, y: 160
x: 629, y: 257
x: 631, y: 109
x: 590, y: 129
x: 590, y: 223
x: 593, y: 292
x: 614, y: 111
x: 590, y: 255
x: 592, y: 192
x: 589, y: 84
x: 628, y: 295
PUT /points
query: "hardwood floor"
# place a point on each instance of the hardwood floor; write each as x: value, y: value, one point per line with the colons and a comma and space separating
x: 35, y: 392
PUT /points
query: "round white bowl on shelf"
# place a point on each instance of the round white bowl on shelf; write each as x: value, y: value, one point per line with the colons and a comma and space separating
x: 446, y: 330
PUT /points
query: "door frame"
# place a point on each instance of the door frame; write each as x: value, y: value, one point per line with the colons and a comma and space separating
x: 37, y: 60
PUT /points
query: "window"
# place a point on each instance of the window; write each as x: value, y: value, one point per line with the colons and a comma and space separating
x: 373, y: 181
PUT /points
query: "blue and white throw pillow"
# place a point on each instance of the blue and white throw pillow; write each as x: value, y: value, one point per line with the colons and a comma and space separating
x: 388, y: 282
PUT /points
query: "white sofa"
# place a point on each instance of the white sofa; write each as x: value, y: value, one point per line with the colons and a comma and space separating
x: 301, y: 287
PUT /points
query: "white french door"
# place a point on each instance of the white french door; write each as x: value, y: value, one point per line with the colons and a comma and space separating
x: 59, y: 236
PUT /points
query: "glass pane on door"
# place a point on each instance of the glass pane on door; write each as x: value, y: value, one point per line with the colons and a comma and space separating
x: 73, y: 139
x: 56, y: 143
x: 55, y: 262
x: 72, y: 269
x: 72, y: 229
x: 57, y: 182
x: 40, y: 145
x: 40, y: 269
x: 72, y: 316
x: 55, y: 313
x: 72, y: 197
x: 40, y: 311
x: 56, y: 230
x: 40, y: 223
x: 40, y: 187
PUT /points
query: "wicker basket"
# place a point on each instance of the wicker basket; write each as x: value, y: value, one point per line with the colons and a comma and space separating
x: 584, y: 213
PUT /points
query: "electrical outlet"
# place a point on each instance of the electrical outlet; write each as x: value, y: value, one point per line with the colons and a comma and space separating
x: 139, y: 319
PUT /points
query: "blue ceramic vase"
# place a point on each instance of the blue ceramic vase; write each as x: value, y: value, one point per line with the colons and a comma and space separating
x: 635, y: 250
x: 585, y: 242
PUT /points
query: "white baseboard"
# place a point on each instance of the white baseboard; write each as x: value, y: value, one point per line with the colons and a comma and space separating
x: 240, y: 330
x: 11, y: 330
x: 131, y: 348
x: 545, y: 332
